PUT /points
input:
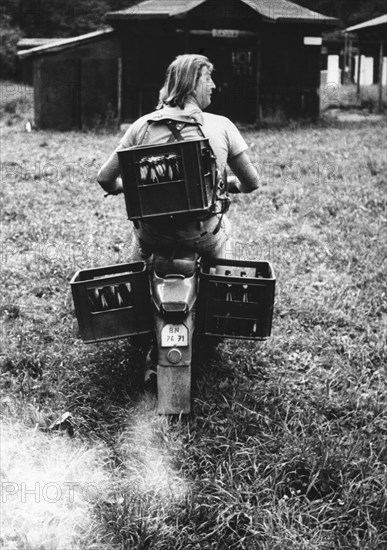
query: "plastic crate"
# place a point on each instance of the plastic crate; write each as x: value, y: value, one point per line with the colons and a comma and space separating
x: 233, y: 305
x: 167, y: 179
x: 112, y: 302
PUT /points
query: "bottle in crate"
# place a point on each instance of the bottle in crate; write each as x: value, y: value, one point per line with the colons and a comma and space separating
x: 124, y: 291
x: 94, y: 300
x: 246, y: 308
x: 230, y: 323
x: 113, y: 301
x: 111, y: 296
x: 103, y: 299
x: 246, y: 325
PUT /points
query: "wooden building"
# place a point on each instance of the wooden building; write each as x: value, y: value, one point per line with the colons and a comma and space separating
x: 76, y: 80
x: 266, y: 54
x: 26, y: 65
x: 372, y: 42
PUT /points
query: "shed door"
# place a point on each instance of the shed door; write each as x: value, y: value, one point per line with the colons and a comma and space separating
x: 57, y: 97
x: 75, y: 93
x: 235, y: 76
x: 99, y: 91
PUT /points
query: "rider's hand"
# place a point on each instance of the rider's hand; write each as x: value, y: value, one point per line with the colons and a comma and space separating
x: 233, y: 184
x: 117, y: 188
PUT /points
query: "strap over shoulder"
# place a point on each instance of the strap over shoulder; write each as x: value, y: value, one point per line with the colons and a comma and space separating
x: 195, y: 117
x: 175, y: 123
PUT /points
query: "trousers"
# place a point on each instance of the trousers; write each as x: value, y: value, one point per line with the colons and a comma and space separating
x: 169, y: 239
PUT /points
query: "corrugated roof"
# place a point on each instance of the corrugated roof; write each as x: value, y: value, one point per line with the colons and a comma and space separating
x: 277, y: 10
x: 156, y: 8
x: 34, y: 42
x: 58, y: 44
x: 382, y: 20
x: 284, y: 10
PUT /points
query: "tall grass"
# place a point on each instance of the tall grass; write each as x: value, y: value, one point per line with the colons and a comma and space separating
x: 286, y: 445
x: 345, y: 97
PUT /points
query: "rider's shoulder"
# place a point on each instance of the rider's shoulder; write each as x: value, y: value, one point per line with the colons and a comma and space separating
x: 217, y: 121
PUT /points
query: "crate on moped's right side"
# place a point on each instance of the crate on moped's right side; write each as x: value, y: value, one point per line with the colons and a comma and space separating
x: 112, y: 302
x: 232, y: 305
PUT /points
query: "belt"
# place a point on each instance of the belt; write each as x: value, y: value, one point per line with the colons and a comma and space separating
x: 178, y: 221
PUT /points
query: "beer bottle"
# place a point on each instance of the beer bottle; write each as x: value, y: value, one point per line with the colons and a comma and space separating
x: 110, y: 295
x: 120, y: 301
x: 238, y: 290
x: 102, y: 298
x: 144, y: 169
x: 126, y: 294
x: 229, y: 323
x: 214, y: 286
x: 153, y: 173
x: 93, y: 297
x: 229, y: 290
x: 221, y: 289
x: 245, y: 289
x: 246, y: 324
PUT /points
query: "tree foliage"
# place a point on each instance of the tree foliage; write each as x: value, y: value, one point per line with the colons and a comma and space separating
x: 49, y: 19
x: 64, y: 18
x: 349, y: 12
x: 61, y: 18
x: 57, y: 18
x: 10, y: 36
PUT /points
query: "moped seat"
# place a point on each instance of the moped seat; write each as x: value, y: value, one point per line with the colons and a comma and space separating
x: 185, y: 266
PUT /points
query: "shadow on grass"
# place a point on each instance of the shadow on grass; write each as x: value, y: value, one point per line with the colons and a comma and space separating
x: 105, y: 384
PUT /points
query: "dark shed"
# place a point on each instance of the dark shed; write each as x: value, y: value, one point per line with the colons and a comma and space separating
x: 266, y: 54
x: 76, y: 80
x: 26, y: 65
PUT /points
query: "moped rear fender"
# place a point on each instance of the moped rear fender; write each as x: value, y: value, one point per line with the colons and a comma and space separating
x: 173, y: 289
x: 174, y: 299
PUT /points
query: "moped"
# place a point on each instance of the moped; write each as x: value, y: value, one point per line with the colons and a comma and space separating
x: 174, y: 297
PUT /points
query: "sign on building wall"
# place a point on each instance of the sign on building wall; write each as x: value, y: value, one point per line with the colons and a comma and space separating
x: 242, y: 62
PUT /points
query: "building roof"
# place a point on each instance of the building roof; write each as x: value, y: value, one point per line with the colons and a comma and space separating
x: 26, y: 43
x: 381, y: 20
x: 278, y: 10
x: 156, y: 9
x: 284, y: 10
x: 59, y: 44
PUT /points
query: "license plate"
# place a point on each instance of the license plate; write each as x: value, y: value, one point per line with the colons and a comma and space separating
x: 174, y: 336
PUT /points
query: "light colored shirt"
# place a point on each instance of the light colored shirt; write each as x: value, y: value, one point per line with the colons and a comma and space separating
x: 224, y: 137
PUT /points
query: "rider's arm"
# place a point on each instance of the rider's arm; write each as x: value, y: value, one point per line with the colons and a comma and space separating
x: 245, y: 172
x: 108, y: 175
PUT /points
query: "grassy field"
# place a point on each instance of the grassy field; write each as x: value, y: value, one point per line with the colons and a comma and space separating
x: 286, y: 445
x: 345, y: 97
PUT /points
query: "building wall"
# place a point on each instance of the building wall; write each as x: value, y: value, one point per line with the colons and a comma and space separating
x: 78, y: 88
x: 266, y: 70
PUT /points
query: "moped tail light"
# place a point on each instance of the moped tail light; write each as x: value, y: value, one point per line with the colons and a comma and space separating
x: 174, y: 311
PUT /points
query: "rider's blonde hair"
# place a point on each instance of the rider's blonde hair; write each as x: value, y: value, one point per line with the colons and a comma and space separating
x: 181, y: 79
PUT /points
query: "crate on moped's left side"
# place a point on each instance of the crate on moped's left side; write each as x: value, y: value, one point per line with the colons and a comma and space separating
x: 235, y: 299
x: 168, y: 179
x: 112, y: 302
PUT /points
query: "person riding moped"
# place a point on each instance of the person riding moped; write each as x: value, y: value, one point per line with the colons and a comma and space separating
x: 185, y: 94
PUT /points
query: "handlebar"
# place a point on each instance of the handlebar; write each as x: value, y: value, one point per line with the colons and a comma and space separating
x: 117, y: 190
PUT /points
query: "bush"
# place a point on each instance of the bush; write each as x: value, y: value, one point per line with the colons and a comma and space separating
x: 16, y: 102
x: 8, y: 47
